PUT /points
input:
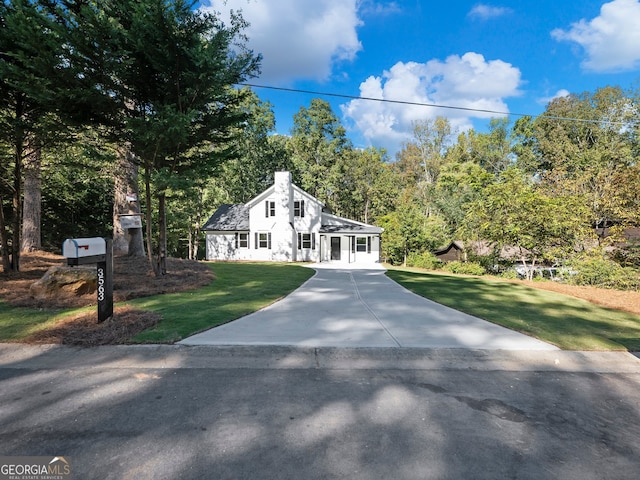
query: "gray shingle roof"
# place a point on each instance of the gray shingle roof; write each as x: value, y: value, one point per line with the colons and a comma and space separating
x: 350, y: 228
x: 228, y: 218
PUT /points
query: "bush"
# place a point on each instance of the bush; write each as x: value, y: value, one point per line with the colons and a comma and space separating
x: 599, y: 271
x: 464, y: 268
x: 510, y: 274
x: 423, y: 260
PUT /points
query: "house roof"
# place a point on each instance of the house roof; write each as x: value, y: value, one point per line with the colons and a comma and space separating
x: 228, y: 218
x: 482, y: 248
x: 350, y: 228
x: 335, y: 224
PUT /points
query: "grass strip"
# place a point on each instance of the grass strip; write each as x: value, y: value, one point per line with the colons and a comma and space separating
x: 17, y: 323
x: 237, y: 290
x: 567, y: 322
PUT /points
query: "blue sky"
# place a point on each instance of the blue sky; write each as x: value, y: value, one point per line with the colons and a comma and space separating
x: 501, y: 56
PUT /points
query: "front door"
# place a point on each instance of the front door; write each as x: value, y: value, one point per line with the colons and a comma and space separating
x: 335, y: 248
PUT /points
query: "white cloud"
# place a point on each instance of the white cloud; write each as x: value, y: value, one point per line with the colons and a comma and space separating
x: 560, y: 93
x: 611, y: 40
x: 298, y: 39
x: 468, y: 81
x: 485, y: 12
x: 373, y: 7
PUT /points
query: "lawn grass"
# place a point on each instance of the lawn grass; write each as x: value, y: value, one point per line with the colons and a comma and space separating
x: 18, y: 323
x: 237, y: 290
x: 567, y: 322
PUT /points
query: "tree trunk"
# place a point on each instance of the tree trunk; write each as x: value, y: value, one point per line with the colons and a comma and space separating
x: 196, y: 238
x: 32, y: 204
x: 126, y: 202
x: 162, y: 235
x: 148, y: 205
x: 17, y: 202
x: 4, y: 239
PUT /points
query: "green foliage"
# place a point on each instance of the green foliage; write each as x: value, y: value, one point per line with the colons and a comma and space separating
x: 515, y: 212
x: 597, y: 270
x: 509, y: 274
x: 464, y: 268
x: 425, y: 260
x: 77, y: 197
x: 404, y: 233
x: 318, y: 144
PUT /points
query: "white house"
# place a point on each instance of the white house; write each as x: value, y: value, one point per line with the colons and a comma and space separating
x: 286, y: 224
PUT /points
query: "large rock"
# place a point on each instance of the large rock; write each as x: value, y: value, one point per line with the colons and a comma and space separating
x: 67, y: 281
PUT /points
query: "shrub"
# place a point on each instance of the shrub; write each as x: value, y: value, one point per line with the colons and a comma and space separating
x: 464, y: 268
x: 423, y: 260
x: 510, y: 274
x: 599, y: 271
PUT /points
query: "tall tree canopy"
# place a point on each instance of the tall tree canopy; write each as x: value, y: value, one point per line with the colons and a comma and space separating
x: 156, y: 75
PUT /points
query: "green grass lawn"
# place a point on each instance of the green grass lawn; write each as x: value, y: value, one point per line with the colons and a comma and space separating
x: 18, y: 323
x: 567, y: 322
x: 241, y: 288
x: 237, y: 290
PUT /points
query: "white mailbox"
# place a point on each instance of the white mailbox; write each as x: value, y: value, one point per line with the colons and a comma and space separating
x: 84, y: 250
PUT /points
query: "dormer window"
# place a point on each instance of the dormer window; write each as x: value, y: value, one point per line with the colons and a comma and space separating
x: 298, y: 208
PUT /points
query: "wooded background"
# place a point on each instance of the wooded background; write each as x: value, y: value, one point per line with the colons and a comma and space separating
x: 105, y: 100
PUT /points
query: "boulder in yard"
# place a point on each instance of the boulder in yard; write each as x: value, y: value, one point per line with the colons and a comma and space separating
x: 67, y: 281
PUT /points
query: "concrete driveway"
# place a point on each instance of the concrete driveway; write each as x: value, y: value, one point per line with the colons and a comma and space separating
x: 362, y: 307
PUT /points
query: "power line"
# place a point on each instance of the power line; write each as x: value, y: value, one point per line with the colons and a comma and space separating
x: 422, y: 104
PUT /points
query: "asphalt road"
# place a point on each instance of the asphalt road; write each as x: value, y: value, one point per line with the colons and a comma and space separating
x: 177, y: 412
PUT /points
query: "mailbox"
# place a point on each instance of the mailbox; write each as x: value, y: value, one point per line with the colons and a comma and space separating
x: 133, y: 220
x: 82, y: 251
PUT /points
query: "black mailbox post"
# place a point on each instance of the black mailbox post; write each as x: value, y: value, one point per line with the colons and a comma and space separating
x: 85, y: 251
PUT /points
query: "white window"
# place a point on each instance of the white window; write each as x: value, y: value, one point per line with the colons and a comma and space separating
x: 263, y: 240
x: 269, y: 208
x: 242, y: 240
x: 298, y: 208
x: 306, y: 240
x: 361, y: 244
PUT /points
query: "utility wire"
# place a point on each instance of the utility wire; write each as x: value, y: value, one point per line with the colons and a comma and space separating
x: 432, y: 105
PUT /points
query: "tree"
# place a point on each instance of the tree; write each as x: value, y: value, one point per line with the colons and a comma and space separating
x: 29, y: 83
x: 515, y: 213
x: 421, y: 160
x: 173, y: 89
x: 52, y: 81
x: 365, y: 189
x: 126, y: 202
x: 317, y: 144
x: 259, y: 154
x: 458, y: 187
x: 589, y: 155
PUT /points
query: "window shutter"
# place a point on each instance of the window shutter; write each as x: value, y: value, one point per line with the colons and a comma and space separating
x: 256, y: 238
x: 236, y: 242
x: 368, y: 244
x: 299, y: 241
x: 302, y: 208
x: 269, y: 240
x: 266, y: 208
x: 313, y: 241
